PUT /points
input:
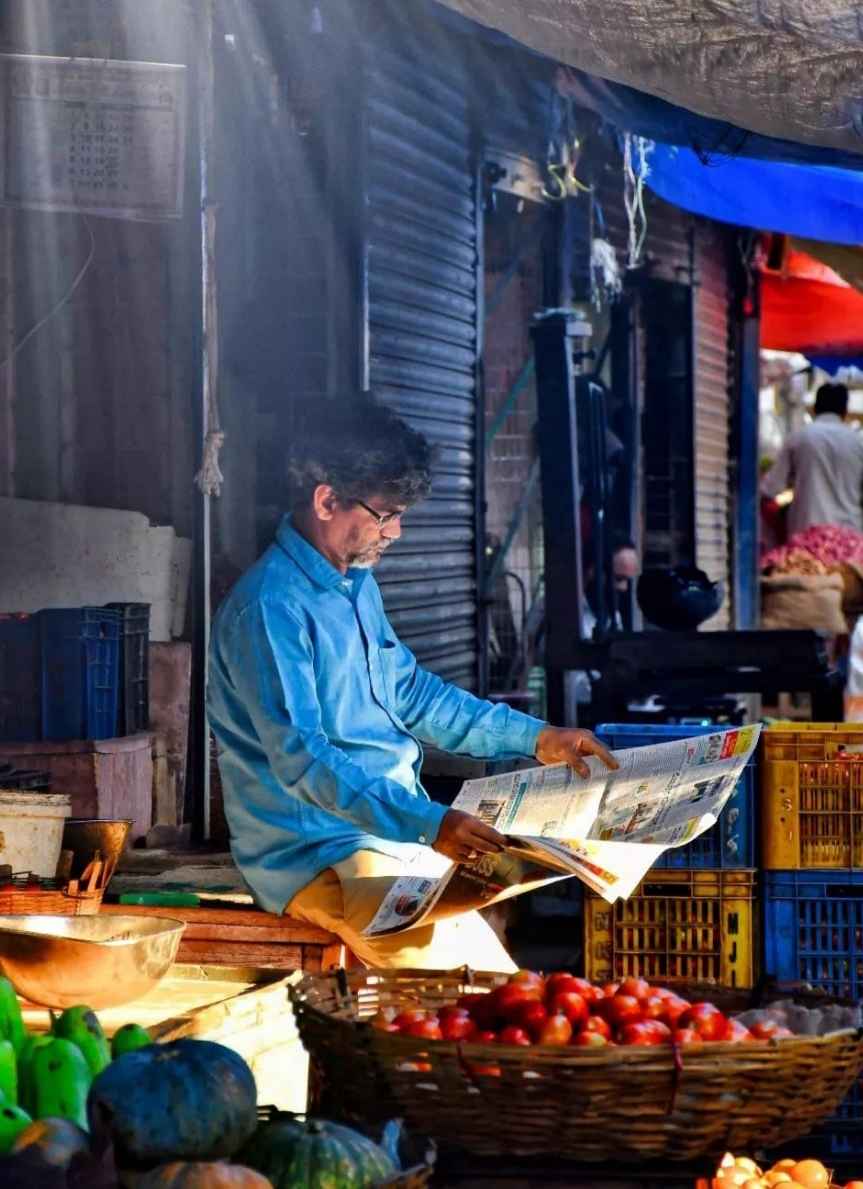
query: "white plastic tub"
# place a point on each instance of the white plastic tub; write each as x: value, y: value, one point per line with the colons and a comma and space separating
x: 31, y: 830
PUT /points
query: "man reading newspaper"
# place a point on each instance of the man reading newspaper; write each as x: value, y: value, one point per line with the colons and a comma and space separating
x: 318, y: 708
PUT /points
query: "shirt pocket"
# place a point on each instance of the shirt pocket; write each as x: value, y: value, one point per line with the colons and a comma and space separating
x: 387, y: 654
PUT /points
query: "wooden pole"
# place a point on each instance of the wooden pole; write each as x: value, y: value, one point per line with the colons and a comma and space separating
x: 7, y: 344
x: 209, y: 314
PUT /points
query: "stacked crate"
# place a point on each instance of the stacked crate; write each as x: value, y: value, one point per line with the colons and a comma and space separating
x: 692, y: 919
x: 812, y: 884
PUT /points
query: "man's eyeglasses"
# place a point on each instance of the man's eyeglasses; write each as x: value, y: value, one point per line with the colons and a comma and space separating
x: 382, y: 518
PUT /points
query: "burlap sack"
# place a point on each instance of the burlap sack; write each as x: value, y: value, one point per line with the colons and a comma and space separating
x: 800, y: 601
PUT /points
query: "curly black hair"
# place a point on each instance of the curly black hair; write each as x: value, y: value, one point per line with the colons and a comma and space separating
x: 360, y: 448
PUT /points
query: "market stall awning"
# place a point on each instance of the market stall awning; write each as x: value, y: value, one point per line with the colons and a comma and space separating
x: 815, y: 201
x: 789, y: 70
x: 809, y: 308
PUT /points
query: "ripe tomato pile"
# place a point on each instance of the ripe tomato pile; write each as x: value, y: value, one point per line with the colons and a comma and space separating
x: 561, y: 1009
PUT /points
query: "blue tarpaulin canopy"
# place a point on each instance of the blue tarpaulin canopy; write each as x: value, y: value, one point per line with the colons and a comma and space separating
x: 819, y: 202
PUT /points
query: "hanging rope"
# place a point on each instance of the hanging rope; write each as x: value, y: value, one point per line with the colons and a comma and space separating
x: 636, y: 150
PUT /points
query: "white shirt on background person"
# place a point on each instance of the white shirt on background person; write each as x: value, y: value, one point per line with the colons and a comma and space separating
x: 823, y: 464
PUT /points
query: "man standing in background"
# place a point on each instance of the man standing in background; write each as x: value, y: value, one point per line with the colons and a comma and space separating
x: 823, y: 465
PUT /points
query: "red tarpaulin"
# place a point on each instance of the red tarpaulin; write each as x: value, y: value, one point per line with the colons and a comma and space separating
x: 809, y: 308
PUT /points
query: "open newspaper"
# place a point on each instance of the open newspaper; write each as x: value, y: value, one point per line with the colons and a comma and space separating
x: 607, y: 829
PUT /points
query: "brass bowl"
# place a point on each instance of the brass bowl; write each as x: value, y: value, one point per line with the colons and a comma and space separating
x: 84, y: 836
x: 103, y: 961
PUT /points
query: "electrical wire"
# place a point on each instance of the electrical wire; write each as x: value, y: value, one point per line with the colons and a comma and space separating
x: 58, y: 305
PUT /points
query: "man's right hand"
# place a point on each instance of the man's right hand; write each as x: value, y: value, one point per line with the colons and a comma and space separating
x: 463, y: 838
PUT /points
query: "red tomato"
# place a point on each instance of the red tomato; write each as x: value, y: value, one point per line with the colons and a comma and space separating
x: 531, y: 1017
x: 458, y: 1028
x: 638, y: 987
x: 737, y: 1033
x: 624, y: 1009
x: 663, y: 993
x: 429, y: 1029
x: 452, y: 1011
x: 557, y: 1030
x: 486, y: 1037
x: 488, y: 1071
x: 590, y: 1040
x: 473, y: 1004
x: 586, y: 989
x: 506, y: 1000
x: 412, y: 1015
x: 707, y: 1020
x: 560, y: 981
x: 764, y: 1029
x: 527, y: 978
x: 645, y: 1032
x: 686, y: 1036
x: 513, y: 1036
x: 674, y: 1009
x: 572, y: 1005
x: 609, y: 989
x: 654, y: 1008
x: 597, y: 1025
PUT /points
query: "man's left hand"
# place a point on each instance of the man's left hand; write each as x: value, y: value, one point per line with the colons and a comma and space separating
x: 558, y: 745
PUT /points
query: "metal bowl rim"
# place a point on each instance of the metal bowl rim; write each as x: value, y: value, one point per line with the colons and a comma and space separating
x: 172, y: 925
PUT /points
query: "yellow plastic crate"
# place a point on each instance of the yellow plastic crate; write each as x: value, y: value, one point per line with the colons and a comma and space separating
x: 679, y: 926
x: 812, y: 796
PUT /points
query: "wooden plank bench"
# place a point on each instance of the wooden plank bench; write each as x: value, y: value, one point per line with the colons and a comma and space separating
x: 233, y: 936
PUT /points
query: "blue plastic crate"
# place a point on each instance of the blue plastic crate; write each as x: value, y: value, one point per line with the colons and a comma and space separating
x: 813, y: 929
x: 80, y: 672
x: 813, y: 932
x: 731, y: 842
x: 20, y: 679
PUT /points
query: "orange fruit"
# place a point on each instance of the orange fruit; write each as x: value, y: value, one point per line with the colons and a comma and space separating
x: 810, y: 1173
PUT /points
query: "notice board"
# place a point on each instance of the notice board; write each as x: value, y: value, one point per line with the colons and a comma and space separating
x: 92, y: 135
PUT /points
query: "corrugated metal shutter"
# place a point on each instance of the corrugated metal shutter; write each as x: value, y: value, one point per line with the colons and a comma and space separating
x: 713, y: 416
x: 422, y: 277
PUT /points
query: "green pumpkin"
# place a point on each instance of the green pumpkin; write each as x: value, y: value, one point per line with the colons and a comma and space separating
x: 186, y: 1100
x: 313, y: 1154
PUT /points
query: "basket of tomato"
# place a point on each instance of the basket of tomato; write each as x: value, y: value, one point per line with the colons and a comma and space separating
x: 533, y: 1064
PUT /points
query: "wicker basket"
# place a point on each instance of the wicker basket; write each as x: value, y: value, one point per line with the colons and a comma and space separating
x: 23, y: 896
x: 620, y: 1105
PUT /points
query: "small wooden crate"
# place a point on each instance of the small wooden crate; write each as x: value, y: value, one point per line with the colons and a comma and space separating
x: 244, y: 1008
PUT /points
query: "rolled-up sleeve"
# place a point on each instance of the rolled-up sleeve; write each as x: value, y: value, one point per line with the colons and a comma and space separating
x: 454, y: 720
x: 271, y: 662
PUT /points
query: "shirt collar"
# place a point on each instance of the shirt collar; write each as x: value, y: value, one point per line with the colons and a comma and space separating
x: 829, y: 417
x: 312, y: 562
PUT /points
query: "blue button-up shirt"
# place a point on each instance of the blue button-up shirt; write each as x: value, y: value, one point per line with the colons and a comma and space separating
x: 318, y: 710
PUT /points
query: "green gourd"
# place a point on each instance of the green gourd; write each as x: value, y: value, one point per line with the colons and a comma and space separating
x: 11, y: 1021
x: 26, y: 1084
x: 314, y: 1154
x: 80, y: 1024
x: 12, y: 1122
x: 8, y: 1073
x: 129, y: 1039
x: 61, y: 1082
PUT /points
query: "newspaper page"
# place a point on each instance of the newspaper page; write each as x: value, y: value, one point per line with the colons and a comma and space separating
x: 607, y: 829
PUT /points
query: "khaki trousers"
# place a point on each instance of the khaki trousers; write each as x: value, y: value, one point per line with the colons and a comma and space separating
x: 344, y: 898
